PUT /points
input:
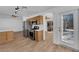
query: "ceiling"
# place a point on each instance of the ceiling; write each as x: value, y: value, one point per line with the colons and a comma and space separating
x: 30, y: 10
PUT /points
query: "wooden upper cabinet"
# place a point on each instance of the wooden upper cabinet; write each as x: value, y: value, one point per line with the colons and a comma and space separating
x: 38, y: 19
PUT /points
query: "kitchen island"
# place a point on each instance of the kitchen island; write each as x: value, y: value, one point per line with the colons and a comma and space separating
x: 6, y: 35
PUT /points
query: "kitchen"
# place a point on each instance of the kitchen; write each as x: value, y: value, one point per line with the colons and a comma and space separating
x: 33, y: 28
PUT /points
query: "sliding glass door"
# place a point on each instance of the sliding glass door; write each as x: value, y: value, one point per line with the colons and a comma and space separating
x: 68, y: 28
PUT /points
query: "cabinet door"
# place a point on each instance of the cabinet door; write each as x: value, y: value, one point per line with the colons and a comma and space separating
x: 40, y: 20
x: 38, y: 35
x: 2, y: 37
x: 9, y: 36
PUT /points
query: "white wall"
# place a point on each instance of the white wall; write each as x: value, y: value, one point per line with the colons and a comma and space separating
x: 9, y: 22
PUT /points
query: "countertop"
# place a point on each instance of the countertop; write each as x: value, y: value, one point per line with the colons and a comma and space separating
x: 4, y: 29
x: 39, y: 30
x: 36, y: 30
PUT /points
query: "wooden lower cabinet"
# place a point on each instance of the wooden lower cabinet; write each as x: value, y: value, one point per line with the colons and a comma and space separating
x: 38, y: 35
x: 9, y: 36
x: 6, y: 36
x: 2, y: 37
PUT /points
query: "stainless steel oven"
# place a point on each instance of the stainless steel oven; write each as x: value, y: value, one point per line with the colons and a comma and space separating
x: 32, y: 34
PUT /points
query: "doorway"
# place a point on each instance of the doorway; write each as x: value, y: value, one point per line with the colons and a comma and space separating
x: 49, y: 32
x: 49, y: 26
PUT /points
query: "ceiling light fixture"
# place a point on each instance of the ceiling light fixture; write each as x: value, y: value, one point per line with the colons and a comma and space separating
x: 18, y: 9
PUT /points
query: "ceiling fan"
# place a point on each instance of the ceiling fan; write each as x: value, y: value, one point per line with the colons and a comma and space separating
x: 17, y: 9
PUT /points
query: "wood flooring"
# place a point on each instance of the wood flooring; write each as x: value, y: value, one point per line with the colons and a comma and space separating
x: 22, y: 44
